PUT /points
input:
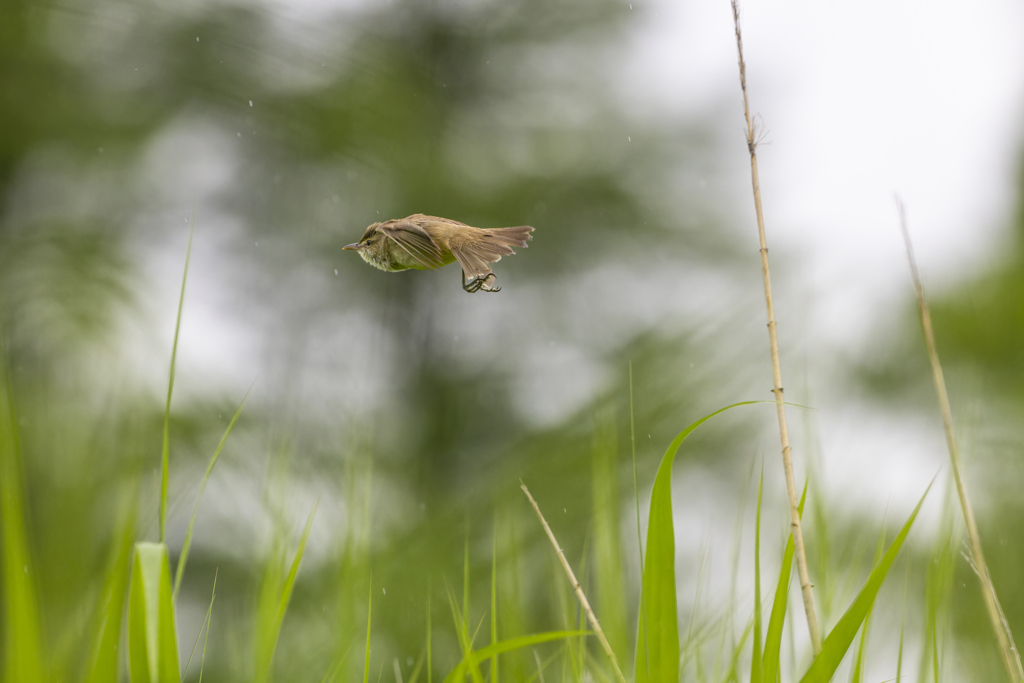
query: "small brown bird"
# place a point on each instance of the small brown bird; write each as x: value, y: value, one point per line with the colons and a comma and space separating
x: 428, y: 242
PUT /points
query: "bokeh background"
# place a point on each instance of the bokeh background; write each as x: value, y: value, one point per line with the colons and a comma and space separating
x: 406, y: 410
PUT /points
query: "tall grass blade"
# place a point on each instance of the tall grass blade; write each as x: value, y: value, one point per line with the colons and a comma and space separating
x: 494, y: 600
x: 657, y: 657
x: 187, y: 545
x: 858, y: 666
x: 430, y: 645
x: 839, y: 640
x: 611, y: 601
x: 269, y: 626
x: 22, y: 649
x: 903, y: 623
x: 638, y: 656
x: 465, y: 641
x: 165, y: 450
x: 152, y: 636
x: 756, y: 662
x: 475, y: 657
x: 204, y: 628
x: 773, y: 638
x: 104, y: 658
x: 369, y: 623
x: 209, y: 619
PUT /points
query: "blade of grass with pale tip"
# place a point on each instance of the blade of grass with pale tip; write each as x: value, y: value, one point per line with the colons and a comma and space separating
x: 756, y: 661
x: 475, y: 657
x: 152, y: 636
x: 22, y: 650
x: 773, y: 638
x: 104, y: 660
x: 839, y: 640
x: 657, y: 651
x: 187, y: 545
x: 272, y: 630
x: 166, y: 449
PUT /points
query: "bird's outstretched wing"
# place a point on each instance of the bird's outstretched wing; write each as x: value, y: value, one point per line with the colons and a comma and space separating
x: 415, y: 241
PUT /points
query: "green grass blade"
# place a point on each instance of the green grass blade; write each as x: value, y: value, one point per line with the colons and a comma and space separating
x: 152, y: 637
x: 22, y: 649
x: 204, y: 628
x: 209, y: 619
x: 839, y: 640
x: 773, y: 638
x: 657, y: 657
x: 903, y: 623
x: 494, y: 600
x: 187, y: 545
x: 166, y: 449
x: 104, y: 659
x: 459, y: 672
x: 270, y: 627
x: 369, y: 623
x: 430, y: 645
x: 756, y: 662
x: 608, y: 567
x: 465, y: 643
x: 641, y: 618
x: 465, y: 578
x: 858, y: 665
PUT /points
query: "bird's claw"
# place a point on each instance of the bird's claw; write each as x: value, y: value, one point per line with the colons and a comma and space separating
x: 478, y: 283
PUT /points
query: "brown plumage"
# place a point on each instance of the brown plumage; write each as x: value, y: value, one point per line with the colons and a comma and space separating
x: 427, y: 242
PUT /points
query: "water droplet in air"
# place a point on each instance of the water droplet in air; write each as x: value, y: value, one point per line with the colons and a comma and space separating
x: 629, y: 138
x: 250, y: 103
x: 385, y: 590
x: 197, y: 39
x: 335, y: 271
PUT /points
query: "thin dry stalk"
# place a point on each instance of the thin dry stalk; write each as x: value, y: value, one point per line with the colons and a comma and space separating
x: 780, y: 406
x: 1007, y: 648
x: 591, y: 617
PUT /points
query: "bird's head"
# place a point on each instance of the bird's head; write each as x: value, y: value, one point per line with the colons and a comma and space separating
x: 371, y: 238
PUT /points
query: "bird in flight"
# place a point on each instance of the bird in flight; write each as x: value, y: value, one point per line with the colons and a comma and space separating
x: 424, y: 242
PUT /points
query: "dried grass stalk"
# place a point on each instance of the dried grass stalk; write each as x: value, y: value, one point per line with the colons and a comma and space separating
x: 780, y: 406
x: 1007, y: 648
x: 591, y: 617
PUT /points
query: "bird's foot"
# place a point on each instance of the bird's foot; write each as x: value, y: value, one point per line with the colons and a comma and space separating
x: 478, y: 283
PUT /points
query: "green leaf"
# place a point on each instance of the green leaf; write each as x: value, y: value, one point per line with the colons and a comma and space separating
x: 22, y: 651
x: 152, y: 637
x: 495, y: 649
x: 657, y: 658
x: 839, y: 640
x: 773, y: 639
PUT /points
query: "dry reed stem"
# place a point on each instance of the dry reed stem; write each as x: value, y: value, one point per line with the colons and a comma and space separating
x: 787, y: 453
x: 1007, y: 648
x: 591, y: 617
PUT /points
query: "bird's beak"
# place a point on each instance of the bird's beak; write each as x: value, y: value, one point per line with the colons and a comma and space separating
x: 352, y: 247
